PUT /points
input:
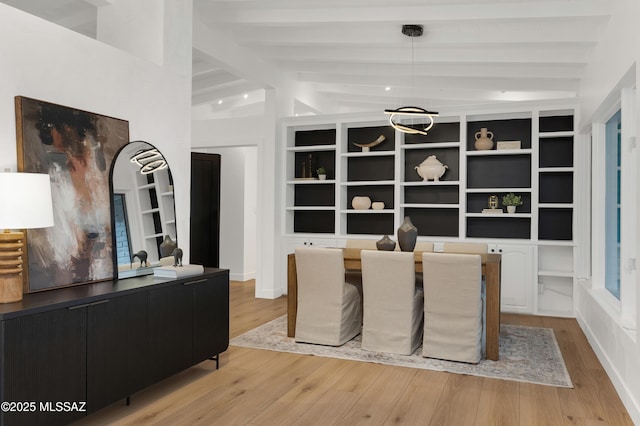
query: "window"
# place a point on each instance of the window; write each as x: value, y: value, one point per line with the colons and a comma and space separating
x: 612, y: 204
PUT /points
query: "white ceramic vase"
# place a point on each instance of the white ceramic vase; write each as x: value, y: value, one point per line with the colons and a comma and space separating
x: 484, y: 140
x: 511, y: 209
x: 361, y: 202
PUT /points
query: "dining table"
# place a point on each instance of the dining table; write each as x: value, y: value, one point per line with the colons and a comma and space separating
x: 352, y: 261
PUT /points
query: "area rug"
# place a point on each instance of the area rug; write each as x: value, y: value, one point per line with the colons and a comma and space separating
x: 527, y: 354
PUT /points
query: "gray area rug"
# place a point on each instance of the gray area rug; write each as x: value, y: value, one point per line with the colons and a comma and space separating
x: 527, y: 354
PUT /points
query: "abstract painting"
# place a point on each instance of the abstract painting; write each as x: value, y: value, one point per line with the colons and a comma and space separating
x: 76, y: 149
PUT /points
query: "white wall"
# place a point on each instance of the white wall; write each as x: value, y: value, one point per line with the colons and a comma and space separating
x: 617, y: 348
x: 47, y: 62
x: 238, y: 196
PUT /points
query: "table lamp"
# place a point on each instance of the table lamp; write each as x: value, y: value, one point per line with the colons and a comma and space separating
x: 26, y: 203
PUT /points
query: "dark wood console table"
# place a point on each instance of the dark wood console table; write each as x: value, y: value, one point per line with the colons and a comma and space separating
x: 100, y: 343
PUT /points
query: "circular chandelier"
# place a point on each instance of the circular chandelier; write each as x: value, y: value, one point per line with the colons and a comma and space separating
x: 411, y: 111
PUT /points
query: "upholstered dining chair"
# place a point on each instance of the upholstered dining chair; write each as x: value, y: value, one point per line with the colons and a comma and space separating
x: 393, y: 307
x: 361, y: 244
x: 467, y: 248
x: 329, y: 309
x: 453, y: 310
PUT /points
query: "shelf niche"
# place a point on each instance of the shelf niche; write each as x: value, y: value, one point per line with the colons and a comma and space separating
x: 447, y: 156
x: 556, y: 123
x: 476, y: 202
x: 556, y: 187
x: 434, y: 222
x: 555, y: 224
x: 499, y: 227
x: 361, y: 169
x: 518, y: 129
x: 499, y: 171
x: 431, y: 194
x: 440, y: 132
x: 382, y: 193
x: 314, y: 222
x: 314, y: 195
x: 365, y: 135
x: 315, y: 137
x: 556, y: 152
x: 371, y: 224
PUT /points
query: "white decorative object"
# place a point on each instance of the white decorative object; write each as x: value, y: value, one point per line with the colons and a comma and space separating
x: 366, y: 146
x: 511, y: 209
x: 431, y: 169
x: 508, y: 145
x: 361, y: 202
x: 322, y: 177
x: 377, y: 205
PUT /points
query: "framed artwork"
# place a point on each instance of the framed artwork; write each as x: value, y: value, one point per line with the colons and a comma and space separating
x: 76, y: 149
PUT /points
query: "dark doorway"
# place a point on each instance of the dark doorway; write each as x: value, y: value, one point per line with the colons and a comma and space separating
x: 205, y: 209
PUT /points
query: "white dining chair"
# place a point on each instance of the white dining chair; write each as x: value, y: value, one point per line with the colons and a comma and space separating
x: 329, y: 309
x: 466, y: 248
x: 393, y: 307
x: 453, y: 307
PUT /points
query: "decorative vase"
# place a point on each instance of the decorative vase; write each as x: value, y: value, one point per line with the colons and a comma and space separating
x: 386, y: 244
x: 360, y: 202
x: 511, y: 209
x: 167, y: 246
x: 407, y: 235
x: 484, y: 140
x: 322, y: 177
x: 377, y: 205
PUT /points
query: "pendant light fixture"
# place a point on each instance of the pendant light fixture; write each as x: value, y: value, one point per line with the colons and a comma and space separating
x: 411, y: 111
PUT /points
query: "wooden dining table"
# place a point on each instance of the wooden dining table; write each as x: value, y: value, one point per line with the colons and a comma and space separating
x: 352, y: 260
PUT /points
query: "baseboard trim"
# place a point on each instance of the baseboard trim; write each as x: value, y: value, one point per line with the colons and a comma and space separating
x: 242, y: 277
x: 625, y: 395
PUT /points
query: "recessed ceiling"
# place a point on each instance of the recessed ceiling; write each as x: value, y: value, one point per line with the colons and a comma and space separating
x: 346, y: 52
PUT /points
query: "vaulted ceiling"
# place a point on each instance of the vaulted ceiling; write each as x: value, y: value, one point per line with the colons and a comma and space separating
x: 351, y: 55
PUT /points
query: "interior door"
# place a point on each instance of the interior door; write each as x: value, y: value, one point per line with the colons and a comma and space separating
x: 205, y: 209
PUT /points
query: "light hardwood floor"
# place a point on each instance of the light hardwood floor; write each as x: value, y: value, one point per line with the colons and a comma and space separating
x: 256, y: 387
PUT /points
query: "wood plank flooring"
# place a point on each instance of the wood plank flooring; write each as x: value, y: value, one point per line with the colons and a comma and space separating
x: 257, y: 387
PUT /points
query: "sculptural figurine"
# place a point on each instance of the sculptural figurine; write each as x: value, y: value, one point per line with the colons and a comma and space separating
x: 142, y: 255
x: 177, y: 257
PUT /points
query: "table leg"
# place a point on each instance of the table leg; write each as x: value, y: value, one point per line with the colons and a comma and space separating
x: 292, y: 295
x: 493, y: 310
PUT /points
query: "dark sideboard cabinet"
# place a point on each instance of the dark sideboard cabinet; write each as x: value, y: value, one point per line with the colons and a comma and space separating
x: 103, y: 342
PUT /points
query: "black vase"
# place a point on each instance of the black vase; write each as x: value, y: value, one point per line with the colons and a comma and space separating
x: 167, y: 246
x: 407, y: 235
x: 386, y: 244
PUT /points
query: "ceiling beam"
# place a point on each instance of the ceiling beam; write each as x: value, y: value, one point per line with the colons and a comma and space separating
x: 549, y: 9
x: 436, y: 34
x: 403, y: 72
x: 506, y: 53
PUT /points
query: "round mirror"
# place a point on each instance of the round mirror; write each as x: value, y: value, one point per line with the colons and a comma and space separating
x: 143, y: 213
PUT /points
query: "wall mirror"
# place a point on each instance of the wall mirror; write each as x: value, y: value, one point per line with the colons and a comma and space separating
x: 143, y: 210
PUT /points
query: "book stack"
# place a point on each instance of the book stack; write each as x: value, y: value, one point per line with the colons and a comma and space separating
x: 178, y: 271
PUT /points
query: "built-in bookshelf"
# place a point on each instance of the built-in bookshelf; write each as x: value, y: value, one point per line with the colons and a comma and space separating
x: 536, y: 164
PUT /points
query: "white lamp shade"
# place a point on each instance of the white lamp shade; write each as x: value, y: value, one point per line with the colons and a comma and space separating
x: 26, y: 201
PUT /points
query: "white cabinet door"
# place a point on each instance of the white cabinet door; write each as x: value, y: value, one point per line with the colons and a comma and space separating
x: 290, y: 244
x: 516, y: 277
